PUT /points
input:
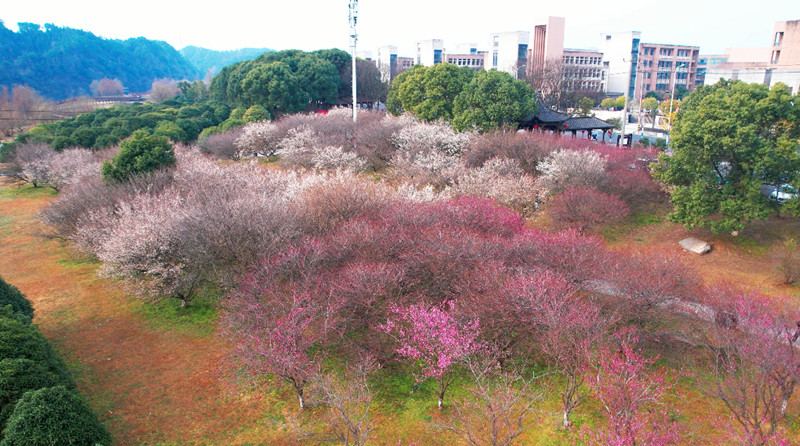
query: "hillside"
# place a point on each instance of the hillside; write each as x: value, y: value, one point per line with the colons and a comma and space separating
x: 62, y: 62
x: 204, y: 59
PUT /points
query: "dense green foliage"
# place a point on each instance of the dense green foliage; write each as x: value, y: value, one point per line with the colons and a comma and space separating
x: 32, y: 410
x: 288, y: 81
x: 206, y: 60
x: 61, y: 62
x: 141, y: 153
x: 428, y: 92
x: 482, y: 101
x: 10, y: 295
x: 493, y: 99
x: 54, y: 416
x: 108, y: 126
x: 19, y: 338
x: 20, y: 375
x: 729, y: 140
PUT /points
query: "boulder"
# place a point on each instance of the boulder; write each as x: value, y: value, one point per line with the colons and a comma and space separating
x: 695, y: 245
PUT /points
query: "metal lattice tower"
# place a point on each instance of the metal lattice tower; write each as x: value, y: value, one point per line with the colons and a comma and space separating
x: 353, y: 40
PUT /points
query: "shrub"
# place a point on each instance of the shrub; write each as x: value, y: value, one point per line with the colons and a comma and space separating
x: 221, y: 145
x: 17, y: 376
x: 21, y: 339
x: 297, y: 147
x: 257, y: 138
x: 255, y: 113
x: 572, y: 168
x: 501, y: 180
x: 72, y: 166
x: 336, y: 158
x: 54, y: 415
x: 32, y: 162
x: 141, y: 153
x: 10, y: 295
x: 427, y: 167
x: 582, y: 207
x: 526, y: 148
x: 422, y: 137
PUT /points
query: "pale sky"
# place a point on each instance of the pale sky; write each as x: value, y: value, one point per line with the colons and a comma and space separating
x: 313, y: 24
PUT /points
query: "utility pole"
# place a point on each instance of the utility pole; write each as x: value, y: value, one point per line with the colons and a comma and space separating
x: 625, y: 108
x: 353, y: 39
x: 672, y: 99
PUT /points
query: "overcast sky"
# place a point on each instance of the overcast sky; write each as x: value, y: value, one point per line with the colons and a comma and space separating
x: 312, y: 24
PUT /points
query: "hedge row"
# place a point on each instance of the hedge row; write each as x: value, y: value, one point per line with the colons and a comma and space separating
x: 39, y: 403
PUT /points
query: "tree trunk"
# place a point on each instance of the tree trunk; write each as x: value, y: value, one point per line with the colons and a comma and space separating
x: 302, y: 400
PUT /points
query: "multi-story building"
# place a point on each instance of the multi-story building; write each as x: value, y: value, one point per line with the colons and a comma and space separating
x: 621, y: 52
x: 548, y: 43
x: 577, y: 69
x: 508, y: 52
x: 387, y: 62
x: 474, y: 61
x: 664, y: 67
x: 430, y: 52
x: 704, y: 62
x: 767, y: 65
x: 466, y: 55
x: 404, y: 63
x: 583, y: 71
x: 786, y: 44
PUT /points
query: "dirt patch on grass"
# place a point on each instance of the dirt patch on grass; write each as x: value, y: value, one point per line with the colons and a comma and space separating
x: 149, y: 385
x: 749, y: 260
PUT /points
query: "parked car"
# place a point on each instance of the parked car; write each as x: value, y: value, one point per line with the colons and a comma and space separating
x: 780, y: 193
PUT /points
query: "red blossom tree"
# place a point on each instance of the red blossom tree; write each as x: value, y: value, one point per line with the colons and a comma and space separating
x: 583, y: 207
x: 631, y: 397
x: 282, y: 337
x: 755, y: 363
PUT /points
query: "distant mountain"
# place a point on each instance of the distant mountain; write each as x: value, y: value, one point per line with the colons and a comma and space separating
x: 205, y: 59
x: 62, y: 62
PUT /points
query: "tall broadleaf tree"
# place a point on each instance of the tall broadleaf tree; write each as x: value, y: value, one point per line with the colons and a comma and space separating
x: 491, y: 100
x: 429, y: 92
x: 729, y: 140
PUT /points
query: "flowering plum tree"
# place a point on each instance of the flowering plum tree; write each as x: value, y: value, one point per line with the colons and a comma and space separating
x: 434, y: 338
x: 582, y: 207
x: 625, y: 389
x: 754, y: 363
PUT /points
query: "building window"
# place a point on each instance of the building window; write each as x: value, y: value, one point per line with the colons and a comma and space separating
x: 776, y: 56
x: 778, y: 38
x: 494, y: 59
x: 665, y: 52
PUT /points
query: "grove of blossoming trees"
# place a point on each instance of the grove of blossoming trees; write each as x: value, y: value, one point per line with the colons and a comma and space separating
x: 428, y: 268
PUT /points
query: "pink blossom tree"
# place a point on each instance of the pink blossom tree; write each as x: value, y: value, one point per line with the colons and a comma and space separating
x: 284, y: 337
x: 755, y: 364
x: 498, y: 406
x: 568, y: 330
x: 431, y: 336
x: 631, y: 397
x: 583, y: 207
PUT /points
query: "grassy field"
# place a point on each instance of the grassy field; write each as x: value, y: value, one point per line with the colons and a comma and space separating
x: 154, y: 372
